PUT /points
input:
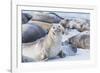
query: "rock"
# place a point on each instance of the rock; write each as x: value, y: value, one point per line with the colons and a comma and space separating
x: 69, y: 49
x: 31, y: 33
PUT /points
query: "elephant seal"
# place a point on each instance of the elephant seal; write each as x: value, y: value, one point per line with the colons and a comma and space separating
x: 25, y: 18
x: 82, y: 40
x: 44, y: 25
x: 31, y: 33
x: 46, y: 47
x: 79, y: 24
x: 64, y: 23
x: 45, y: 17
x: 85, y: 27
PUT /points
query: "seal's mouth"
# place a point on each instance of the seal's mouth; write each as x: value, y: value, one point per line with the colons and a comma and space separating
x: 58, y: 30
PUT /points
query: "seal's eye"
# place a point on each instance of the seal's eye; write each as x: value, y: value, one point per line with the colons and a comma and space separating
x: 59, y: 26
x: 53, y: 27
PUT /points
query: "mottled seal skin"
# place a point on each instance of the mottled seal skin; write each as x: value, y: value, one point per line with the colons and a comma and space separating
x: 85, y: 27
x: 31, y: 33
x: 79, y: 24
x: 45, y: 17
x: 76, y: 23
x: 81, y: 40
x: 25, y: 18
x: 64, y: 23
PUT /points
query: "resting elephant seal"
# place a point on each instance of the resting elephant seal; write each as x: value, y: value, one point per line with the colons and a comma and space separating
x: 46, y: 47
x: 64, y: 23
x: 85, y: 27
x: 25, y: 18
x: 82, y: 40
x: 80, y: 24
x: 45, y: 17
x: 44, y: 25
x: 31, y: 33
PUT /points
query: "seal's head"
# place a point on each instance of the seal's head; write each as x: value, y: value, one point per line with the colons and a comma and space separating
x: 57, y: 29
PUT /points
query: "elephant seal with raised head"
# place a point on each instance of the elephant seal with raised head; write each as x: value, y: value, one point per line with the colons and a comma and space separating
x: 46, y: 47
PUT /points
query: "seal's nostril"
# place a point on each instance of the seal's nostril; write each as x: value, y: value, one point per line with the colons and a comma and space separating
x: 58, y: 30
x: 53, y: 27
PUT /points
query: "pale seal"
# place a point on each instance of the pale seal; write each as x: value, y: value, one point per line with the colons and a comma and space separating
x: 47, y: 47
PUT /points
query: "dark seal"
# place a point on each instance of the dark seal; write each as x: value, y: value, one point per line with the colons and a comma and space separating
x: 31, y: 33
x: 25, y: 18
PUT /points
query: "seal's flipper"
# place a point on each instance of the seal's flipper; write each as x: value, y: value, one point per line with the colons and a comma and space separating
x: 61, y: 54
